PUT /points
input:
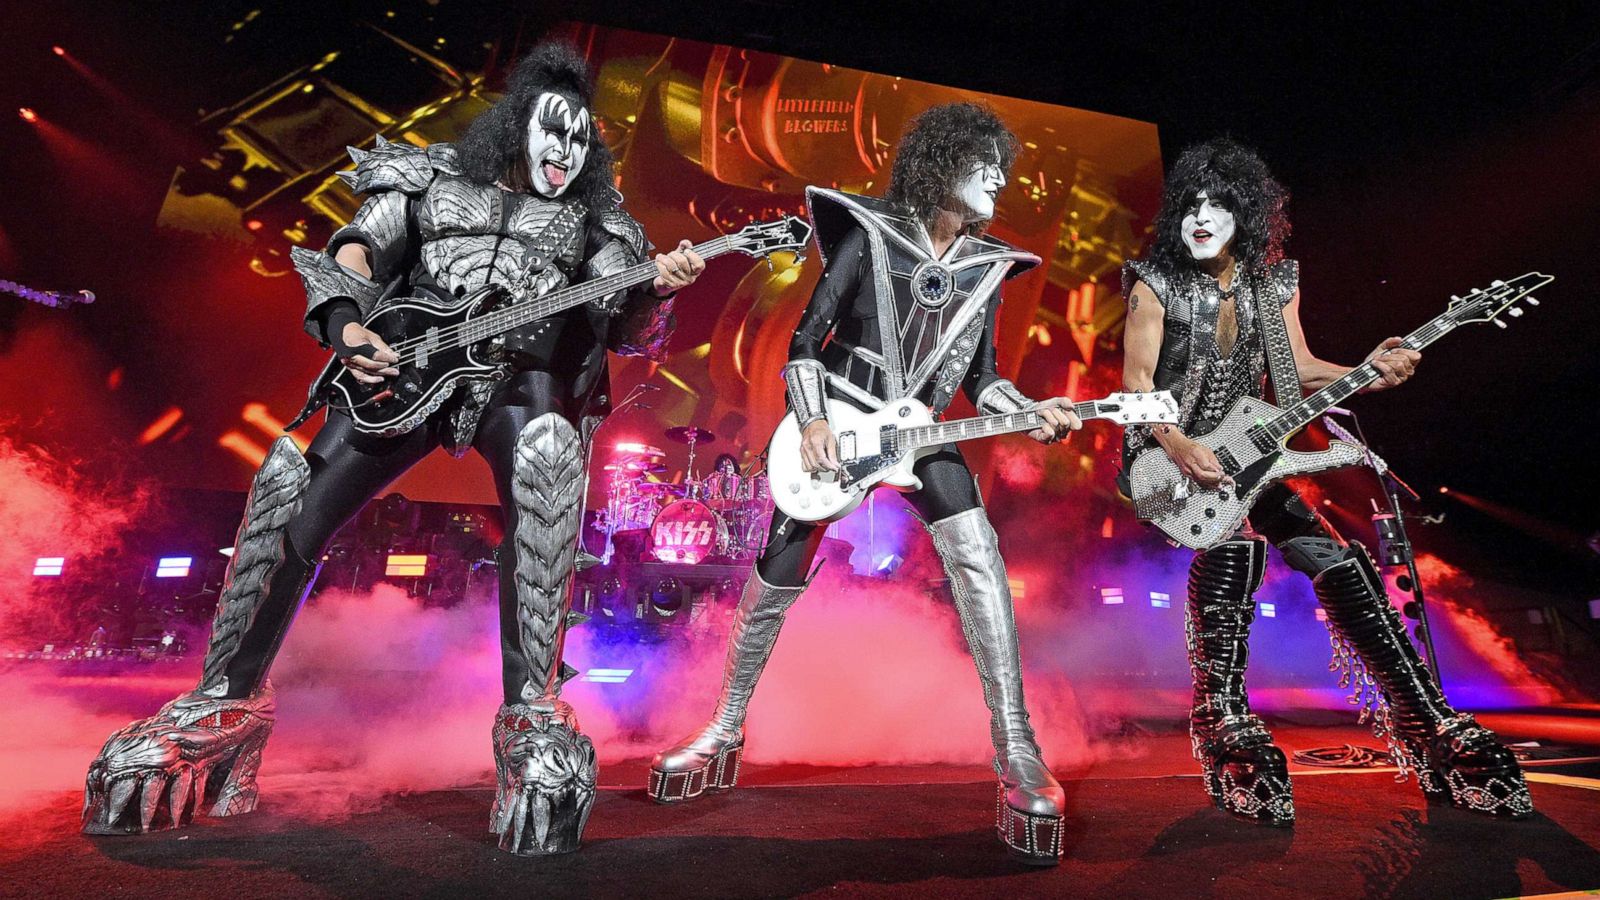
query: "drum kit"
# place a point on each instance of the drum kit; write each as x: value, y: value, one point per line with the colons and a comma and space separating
x: 722, y: 515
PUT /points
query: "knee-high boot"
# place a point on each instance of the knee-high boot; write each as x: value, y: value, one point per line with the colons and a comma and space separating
x: 709, y: 758
x: 545, y: 768
x: 201, y: 750
x: 1456, y: 759
x: 1029, y: 801
x: 1244, y: 772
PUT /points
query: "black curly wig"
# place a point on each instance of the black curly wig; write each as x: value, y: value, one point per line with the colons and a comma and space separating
x: 1232, y: 173
x: 494, y: 147
x: 940, y: 149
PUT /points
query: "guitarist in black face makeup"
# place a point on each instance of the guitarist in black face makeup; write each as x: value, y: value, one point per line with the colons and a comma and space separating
x: 1204, y: 311
x: 525, y: 196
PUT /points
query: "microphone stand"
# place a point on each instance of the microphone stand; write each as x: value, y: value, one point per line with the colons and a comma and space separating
x: 1394, y: 545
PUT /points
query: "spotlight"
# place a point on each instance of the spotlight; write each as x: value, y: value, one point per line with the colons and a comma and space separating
x: 49, y: 566
x: 667, y: 596
x: 59, y: 50
x: 404, y: 565
x: 1269, y: 611
x: 253, y: 224
x: 607, y: 676
x: 887, y: 564
x: 1160, y: 600
x: 174, y: 566
x: 612, y: 593
x: 1443, y: 489
x: 28, y: 115
x: 1110, y: 596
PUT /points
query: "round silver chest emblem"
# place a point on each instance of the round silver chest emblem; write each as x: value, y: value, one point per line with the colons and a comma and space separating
x: 933, y: 284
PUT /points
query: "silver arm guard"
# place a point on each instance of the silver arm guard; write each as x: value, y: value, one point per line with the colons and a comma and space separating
x: 1003, y: 397
x: 808, y: 397
x: 325, y: 281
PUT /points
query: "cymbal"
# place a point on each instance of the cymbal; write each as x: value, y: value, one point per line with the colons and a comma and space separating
x: 637, y: 466
x: 661, y: 487
x: 690, y: 434
x: 631, y: 448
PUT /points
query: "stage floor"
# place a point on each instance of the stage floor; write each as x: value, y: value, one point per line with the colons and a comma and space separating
x: 1138, y: 828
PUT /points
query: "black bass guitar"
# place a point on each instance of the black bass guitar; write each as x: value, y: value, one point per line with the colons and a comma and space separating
x: 443, y: 343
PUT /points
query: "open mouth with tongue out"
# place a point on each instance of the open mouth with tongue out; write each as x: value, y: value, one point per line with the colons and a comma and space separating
x: 555, y: 173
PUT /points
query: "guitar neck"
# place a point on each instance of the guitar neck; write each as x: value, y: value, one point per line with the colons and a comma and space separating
x: 917, y: 437
x: 1297, y: 416
x: 523, y: 312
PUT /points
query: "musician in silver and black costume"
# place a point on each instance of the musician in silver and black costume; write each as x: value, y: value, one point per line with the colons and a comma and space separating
x: 1212, y: 313
x: 906, y: 308
x: 525, y: 198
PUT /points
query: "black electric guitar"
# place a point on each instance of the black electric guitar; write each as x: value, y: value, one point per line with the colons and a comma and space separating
x: 443, y: 343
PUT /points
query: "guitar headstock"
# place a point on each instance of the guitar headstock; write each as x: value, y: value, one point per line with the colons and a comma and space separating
x: 1134, y: 408
x: 760, y: 239
x: 1500, y: 297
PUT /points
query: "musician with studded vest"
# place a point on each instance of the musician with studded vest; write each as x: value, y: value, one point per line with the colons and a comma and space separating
x: 1212, y: 312
x: 905, y: 308
x: 524, y: 199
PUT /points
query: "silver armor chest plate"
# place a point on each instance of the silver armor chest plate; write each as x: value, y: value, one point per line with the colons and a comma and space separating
x: 474, y: 235
x: 931, y: 308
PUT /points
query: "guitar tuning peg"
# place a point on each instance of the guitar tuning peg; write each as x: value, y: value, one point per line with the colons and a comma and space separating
x: 1499, y: 324
x: 1455, y: 299
x: 1515, y: 310
x: 1533, y: 301
x: 1497, y: 284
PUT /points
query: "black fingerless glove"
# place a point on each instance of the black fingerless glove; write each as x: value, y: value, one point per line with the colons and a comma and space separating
x: 337, y: 314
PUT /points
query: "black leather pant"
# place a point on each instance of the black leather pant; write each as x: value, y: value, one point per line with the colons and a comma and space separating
x: 349, y: 468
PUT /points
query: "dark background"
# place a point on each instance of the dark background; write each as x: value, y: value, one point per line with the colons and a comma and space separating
x: 1428, y: 150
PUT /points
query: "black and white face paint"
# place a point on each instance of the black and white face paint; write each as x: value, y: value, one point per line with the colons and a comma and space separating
x: 1208, y: 227
x: 559, y: 132
x: 978, y: 190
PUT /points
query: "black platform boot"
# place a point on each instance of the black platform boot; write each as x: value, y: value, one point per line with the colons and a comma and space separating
x: 1245, y: 773
x: 1456, y: 759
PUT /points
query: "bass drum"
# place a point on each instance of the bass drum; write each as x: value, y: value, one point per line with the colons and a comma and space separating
x: 687, y: 531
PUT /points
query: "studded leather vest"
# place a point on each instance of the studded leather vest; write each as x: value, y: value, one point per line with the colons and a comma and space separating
x: 1206, y: 381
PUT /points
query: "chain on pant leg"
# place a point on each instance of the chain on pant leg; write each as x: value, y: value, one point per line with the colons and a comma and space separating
x: 1453, y: 756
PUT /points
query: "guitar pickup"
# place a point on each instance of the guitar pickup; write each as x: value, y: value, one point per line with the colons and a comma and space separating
x: 847, y: 445
x: 429, y: 341
x: 1229, y: 464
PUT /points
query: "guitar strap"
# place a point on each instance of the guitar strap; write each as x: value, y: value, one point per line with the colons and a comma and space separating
x: 1281, y: 369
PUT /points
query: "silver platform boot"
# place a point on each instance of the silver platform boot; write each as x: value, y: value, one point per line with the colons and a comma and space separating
x: 709, y: 758
x: 545, y: 767
x: 1029, y: 803
x: 201, y: 751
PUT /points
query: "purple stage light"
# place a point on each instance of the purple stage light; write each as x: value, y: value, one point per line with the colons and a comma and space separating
x: 1111, y: 596
x: 1160, y: 600
x: 174, y: 566
x: 49, y: 566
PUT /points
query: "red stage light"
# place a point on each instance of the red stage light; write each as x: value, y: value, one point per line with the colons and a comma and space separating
x: 28, y: 115
x: 59, y: 50
x: 253, y: 224
x: 1443, y: 489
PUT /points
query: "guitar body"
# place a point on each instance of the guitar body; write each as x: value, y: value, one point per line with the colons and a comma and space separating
x: 406, y: 401
x: 825, y: 496
x: 1201, y: 518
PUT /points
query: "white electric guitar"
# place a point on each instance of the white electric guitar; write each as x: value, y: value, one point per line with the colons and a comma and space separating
x: 882, y: 447
x: 1249, y: 441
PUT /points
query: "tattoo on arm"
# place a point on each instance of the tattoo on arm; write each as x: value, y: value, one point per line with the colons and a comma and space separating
x: 1133, y: 301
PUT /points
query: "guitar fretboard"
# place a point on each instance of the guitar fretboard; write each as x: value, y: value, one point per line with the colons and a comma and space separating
x: 920, y: 436
x: 1299, y: 415
x: 522, y: 312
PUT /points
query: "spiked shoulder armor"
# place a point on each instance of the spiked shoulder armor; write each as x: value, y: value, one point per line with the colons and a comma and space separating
x: 399, y: 166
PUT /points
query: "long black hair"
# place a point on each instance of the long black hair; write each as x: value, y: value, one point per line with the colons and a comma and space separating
x: 1234, y: 175
x: 495, y: 146
x: 938, y: 151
